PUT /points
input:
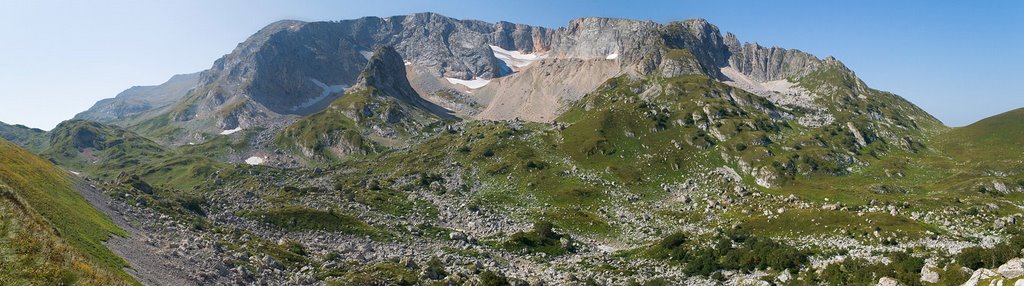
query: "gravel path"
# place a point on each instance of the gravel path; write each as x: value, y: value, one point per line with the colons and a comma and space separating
x: 148, y: 266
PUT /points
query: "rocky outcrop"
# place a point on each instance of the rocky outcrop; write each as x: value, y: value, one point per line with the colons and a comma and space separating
x: 702, y: 40
x: 380, y: 111
x: 386, y: 73
x: 767, y: 64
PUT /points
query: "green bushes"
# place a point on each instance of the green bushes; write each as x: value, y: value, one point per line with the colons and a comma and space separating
x: 542, y: 239
x: 903, y: 267
x: 491, y: 278
x: 305, y: 219
x: 977, y: 257
x: 734, y: 251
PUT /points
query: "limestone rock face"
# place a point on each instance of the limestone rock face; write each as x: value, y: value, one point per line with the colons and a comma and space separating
x: 768, y: 64
x: 928, y: 274
x: 1012, y: 269
x: 702, y: 40
x: 980, y: 274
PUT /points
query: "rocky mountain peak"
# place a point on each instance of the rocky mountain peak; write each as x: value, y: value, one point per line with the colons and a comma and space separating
x: 385, y: 72
x: 384, y: 68
x: 732, y: 42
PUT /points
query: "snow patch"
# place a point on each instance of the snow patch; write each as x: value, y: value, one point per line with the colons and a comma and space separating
x: 475, y: 83
x: 612, y: 56
x: 76, y: 173
x: 408, y: 63
x: 328, y: 90
x: 255, y: 160
x: 231, y: 131
x: 366, y: 54
x: 516, y: 58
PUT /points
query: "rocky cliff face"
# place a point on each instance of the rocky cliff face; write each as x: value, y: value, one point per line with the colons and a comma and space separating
x: 767, y: 64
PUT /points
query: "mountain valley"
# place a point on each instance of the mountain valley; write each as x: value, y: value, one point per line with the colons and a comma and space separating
x: 427, y: 150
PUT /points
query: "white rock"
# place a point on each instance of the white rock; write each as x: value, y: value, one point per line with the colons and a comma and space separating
x: 928, y: 274
x: 1012, y: 269
x: 455, y: 235
x: 979, y: 275
x: 886, y: 281
x: 784, y: 277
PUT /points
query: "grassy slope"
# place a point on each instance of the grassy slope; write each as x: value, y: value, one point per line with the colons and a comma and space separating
x: 31, y: 253
x: 995, y: 138
x: 47, y: 190
x: 329, y: 128
x: 105, y: 151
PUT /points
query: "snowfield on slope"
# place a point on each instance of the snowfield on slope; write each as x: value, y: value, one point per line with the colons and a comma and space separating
x: 327, y: 91
x: 516, y: 58
x: 231, y: 131
x: 474, y: 83
x: 255, y: 160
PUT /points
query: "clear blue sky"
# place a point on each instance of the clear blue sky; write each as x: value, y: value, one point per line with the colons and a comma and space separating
x: 959, y: 60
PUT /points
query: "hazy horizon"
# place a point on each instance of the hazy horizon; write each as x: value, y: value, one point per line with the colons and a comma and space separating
x: 63, y: 57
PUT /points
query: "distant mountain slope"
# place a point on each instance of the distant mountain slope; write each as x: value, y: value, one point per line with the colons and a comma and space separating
x: 40, y: 197
x: 105, y: 151
x: 32, y: 139
x: 132, y: 103
x: 1000, y: 137
x: 86, y: 146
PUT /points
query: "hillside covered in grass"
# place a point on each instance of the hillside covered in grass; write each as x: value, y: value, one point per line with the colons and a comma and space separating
x: 52, y: 234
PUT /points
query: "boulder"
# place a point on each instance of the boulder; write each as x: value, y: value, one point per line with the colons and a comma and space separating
x: 1012, y: 269
x: 929, y: 275
x: 980, y: 274
x: 456, y: 235
x: 784, y: 277
x: 886, y: 281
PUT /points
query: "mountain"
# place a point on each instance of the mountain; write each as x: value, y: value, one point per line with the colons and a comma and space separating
x: 497, y: 71
x: 992, y: 138
x: 90, y: 145
x: 986, y: 155
x: 381, y: 110
x: 52, y: 235
x: 29, y: 138
x: 129, y: 105
x: 422, y: 149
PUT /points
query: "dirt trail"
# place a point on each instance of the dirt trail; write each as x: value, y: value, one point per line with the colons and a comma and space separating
x: 148, y: 266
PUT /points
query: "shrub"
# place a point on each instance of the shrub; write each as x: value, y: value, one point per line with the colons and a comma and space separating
x: 491, y: 278
x: 731, y: 252
x: 542, y: 238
